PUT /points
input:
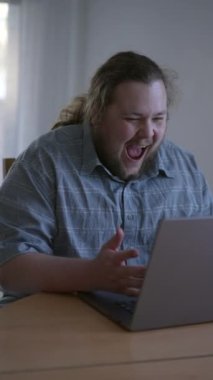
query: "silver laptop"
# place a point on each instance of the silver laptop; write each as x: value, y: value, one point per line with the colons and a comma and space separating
x: 178, y: 286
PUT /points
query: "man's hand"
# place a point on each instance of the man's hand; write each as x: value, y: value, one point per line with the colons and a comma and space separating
x: 33, y: 272
x: 111, y: 272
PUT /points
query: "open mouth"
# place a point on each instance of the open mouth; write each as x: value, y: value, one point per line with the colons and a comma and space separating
x: 135, y: 152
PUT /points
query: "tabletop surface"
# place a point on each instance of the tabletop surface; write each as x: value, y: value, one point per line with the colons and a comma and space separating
x: 57, y: 336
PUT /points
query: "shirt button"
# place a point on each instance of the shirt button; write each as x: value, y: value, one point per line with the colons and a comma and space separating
x: 130, y: 217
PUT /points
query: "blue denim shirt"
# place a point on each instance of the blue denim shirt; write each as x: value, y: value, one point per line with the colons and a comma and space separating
x: 60, y: 200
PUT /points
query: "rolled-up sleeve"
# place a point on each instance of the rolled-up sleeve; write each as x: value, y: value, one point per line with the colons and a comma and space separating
x: 27, y: 221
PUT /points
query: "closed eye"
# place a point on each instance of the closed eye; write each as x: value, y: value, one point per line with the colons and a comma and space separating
x: 158, y: 119
x: 131, y: 118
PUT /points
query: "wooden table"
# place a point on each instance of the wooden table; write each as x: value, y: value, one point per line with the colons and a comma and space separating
x: 48, y: 336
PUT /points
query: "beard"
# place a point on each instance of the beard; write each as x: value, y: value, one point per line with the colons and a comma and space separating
x: 119, y: 171
x: 112, y: 162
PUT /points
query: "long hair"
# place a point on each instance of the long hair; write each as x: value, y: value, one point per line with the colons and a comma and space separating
x: 121, y: 67
x: 72, y: 113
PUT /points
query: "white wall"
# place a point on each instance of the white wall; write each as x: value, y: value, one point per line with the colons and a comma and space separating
x: 63, y: 42
x: 177, y: 34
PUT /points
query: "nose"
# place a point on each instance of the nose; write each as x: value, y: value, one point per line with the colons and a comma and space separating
x: 146, y: 130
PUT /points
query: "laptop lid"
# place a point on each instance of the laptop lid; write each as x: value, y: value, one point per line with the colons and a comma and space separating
x: 178, y: 286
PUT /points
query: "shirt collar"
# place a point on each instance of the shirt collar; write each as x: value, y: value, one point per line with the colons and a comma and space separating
x: 162, y: 163
x: 90, y: 157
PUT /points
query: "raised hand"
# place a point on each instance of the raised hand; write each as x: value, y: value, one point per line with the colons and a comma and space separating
x: 111, y: 272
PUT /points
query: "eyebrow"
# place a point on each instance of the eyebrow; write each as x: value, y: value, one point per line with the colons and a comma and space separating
x: 139, y: 114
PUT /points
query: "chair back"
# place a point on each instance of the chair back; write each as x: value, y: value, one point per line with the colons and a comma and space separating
x: 7, y: 163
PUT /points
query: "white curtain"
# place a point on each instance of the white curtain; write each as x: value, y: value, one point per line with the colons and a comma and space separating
x: 46, y: 60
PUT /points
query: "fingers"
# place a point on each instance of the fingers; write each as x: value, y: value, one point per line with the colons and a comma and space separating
x: 116, y: 240
x: 130, y: 280
x: 111, y: 271
x: 132, y: 276
x: 135, y: 271
x: 123, y: 256
x: 130, y: 286
x: 135, y: 283
x: 132, y: 292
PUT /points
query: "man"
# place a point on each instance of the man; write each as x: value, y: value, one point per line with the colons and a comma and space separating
x: 80, y: 207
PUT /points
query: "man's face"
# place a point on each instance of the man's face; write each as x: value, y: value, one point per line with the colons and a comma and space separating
x: 132, y: 127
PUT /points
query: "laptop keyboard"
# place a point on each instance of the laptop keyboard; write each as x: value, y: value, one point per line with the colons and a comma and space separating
x: 127, y: 305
